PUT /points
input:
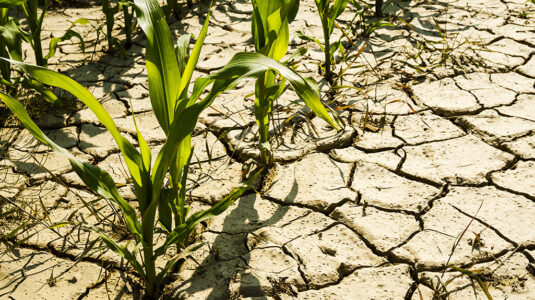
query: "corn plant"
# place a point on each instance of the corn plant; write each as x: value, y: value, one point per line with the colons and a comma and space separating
x: 129, y: 24
x: 328, y: 14
x: 35, y: 25
x: 10, y: 42
x: 169, y: 72
x: 12, y: 35
x: 270, y: 29
x: 364, y: 25
x: 110, y: 10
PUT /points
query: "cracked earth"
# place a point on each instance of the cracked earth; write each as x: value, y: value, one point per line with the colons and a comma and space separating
x: 434, y: 170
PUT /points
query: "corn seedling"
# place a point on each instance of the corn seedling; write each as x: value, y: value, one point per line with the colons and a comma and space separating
x: 12, y: 35
x: 169, y: 71
x: 110, y: 10
x: 328, y: 17
x: 10, y: 43
x: 129, y: 24
x: 35, y: 26
x: 270, y: 31
x: 328, y: 14
x: 362, y: 24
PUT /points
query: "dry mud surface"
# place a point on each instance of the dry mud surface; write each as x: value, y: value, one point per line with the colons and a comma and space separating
x: 359, y: 214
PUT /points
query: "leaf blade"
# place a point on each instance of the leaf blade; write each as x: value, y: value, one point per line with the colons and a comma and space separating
x: 252, y: 65
x: 161, y: 61
x: 132, y: 156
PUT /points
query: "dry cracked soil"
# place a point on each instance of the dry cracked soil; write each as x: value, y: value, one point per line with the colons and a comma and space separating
x: 434, y: 170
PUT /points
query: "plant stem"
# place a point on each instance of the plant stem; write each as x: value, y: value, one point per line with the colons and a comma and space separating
x: 5, y: 67
x: 127, y: 26
x: 378, y: 8
x: 150, y: 264
x: 109, y: 13
x: 37, y: 49
x: 262, y: 109
x: 30, y: 9
x: 327, y: 48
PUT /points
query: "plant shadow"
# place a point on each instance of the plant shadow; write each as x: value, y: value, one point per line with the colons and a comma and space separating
x: 213, y: 276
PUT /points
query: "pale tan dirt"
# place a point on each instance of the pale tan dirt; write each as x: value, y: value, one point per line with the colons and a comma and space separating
x: 371, y: 212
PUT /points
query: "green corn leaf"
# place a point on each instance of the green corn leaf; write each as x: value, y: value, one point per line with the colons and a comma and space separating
x: 45, y: 92
x: 181, y: 127
x: 11, y: 3
x: 182, y: 157
x: 278, y: 33
x: 179, y: 171
x: 182, y: 51
x: 198, y: 88
x: 337, y: 9
x: 252, y: 65
x: 276, y: 90
x: 194, y: 57
x: 334, y: 47
x: 220, y: 206
x: 13, y: 35
x: 131, y: 155
x: 143, y: 191
x: 305, y: 37
x: 69, y: 34
x: 323, y: 7
x: 146, y: 155
x: 182, y: 232
x: 293, y: 12
x: 262, y: 9
x: 173, y: 261
x: 181, y: 200
x: 297, y: 54
x: 165, y: 212
x: 95, y: 178
x: 123, y: 252
x: 162, y: 66
x: 257, y: 28
x: 270, y: 26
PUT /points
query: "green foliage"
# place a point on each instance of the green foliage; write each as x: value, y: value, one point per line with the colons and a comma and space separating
x: 160, y: 187
x: 110, y: 8
x: 12, y: 34
x: 10, y: 46
x: 170, y: 70
x: 270, y: 29
x: 35, y: 25
x: 11, y: 3
x: 328, y: 14
x: 364, y: 25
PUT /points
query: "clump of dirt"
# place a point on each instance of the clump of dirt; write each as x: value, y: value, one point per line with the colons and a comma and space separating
x: 517, y: 284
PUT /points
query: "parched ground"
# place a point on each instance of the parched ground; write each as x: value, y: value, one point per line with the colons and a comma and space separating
x: 435, y: 168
